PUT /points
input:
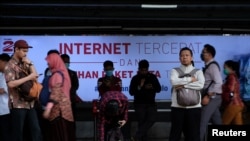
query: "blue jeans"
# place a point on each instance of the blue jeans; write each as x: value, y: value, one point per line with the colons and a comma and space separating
x: 19, y: 117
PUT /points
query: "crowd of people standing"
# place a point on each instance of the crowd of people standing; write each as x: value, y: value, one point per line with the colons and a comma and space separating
x: 221, y: 104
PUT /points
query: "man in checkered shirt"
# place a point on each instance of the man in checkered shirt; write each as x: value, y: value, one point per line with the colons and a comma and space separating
x: 106, y: 122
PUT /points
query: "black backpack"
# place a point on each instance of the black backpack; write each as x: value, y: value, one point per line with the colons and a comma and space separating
x: 112, y: 108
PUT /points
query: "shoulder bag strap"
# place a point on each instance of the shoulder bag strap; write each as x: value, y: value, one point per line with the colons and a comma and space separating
x: 60, y: 74
x: 181, y: 73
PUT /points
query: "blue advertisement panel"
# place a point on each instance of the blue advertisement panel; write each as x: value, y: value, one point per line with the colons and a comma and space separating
x: 89, y: 52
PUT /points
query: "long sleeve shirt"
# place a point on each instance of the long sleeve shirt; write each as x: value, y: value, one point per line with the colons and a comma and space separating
x: 142, y: 95
x: 231, y: 85
x: 103, y: 119
x: 74, y: 85
x: 116, y: 84
x: 186, y: 81
x: 212, y: 73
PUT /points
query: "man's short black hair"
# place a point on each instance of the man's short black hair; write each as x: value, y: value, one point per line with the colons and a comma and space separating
x: 143, y: 64
x: 65, y: 56
x: 5, y: 57
x: 108, y: 63
x: 210, y: 49
x: 53, y: 51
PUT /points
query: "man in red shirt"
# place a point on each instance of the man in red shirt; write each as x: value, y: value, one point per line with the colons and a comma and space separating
x: 109, y: 82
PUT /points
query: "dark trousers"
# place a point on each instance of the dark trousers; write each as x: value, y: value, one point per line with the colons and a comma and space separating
x: 44, y: 125
x: 146, y: 116
x: 113, y: 132
x: 73, y: 106
x: 5, y: 127
x: 126, y: 130
x: 19, y: 117
x: 186, y: 121
x: 62, y: 130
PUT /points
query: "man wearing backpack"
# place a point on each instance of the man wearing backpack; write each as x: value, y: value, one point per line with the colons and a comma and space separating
x: 113, y: 114
x: 213, y: 80
x: 185, y: 114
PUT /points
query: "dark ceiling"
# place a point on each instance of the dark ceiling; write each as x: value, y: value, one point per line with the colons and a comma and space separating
x: 125, y: 17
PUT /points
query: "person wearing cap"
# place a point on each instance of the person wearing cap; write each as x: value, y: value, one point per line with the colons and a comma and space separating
x: 144, y: 86
x: 21, y: 111
x: 4, y: 100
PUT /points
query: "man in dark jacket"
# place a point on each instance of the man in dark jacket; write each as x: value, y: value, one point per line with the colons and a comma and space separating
x: 109, y: 82
x: 74, y: 83
x: 144, y: 87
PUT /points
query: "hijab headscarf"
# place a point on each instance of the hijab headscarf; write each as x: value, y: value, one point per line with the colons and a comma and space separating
x: 56, y: 64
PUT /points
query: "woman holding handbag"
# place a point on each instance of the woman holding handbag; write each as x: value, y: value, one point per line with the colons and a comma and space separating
x: 232, y: 103
x: 58, y: 110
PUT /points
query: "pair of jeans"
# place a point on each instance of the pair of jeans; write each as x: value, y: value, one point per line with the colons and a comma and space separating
x: 21, y: 118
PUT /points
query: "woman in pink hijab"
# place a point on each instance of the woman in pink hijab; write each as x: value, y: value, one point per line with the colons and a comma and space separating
x: 58, y: 110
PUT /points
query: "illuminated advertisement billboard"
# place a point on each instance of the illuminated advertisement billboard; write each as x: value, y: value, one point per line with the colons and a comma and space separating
x: 88, y: 53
